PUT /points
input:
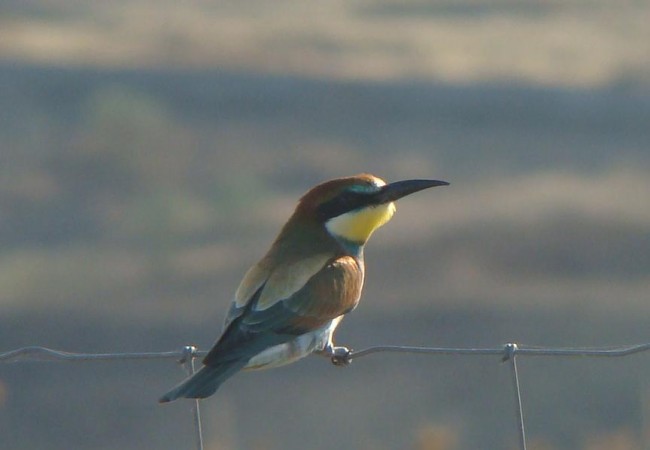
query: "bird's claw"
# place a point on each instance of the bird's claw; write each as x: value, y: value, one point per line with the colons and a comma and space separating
x: 340, y: 356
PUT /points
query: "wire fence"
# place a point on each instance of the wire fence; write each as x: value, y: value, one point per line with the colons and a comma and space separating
x: 187, y: 355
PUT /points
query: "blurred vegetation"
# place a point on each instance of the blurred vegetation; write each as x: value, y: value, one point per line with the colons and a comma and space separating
x: 149, y: 154
x: 139, y: 198
x: 559, y: 43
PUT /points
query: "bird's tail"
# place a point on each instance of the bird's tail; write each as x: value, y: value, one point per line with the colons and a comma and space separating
x: 205, y: 382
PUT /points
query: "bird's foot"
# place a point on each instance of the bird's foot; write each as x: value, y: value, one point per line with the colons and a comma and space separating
x: 340, y: 356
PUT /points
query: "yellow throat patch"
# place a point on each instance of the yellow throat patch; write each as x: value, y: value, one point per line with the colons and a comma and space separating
x: 357, y: 226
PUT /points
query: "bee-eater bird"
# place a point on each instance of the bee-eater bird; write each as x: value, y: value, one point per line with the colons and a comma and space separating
x: 289, y: 303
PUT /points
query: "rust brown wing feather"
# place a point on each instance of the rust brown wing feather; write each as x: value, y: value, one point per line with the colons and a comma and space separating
x: 331, y: 292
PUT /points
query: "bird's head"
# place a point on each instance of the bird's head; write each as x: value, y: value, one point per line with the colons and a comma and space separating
x: 352, y: 208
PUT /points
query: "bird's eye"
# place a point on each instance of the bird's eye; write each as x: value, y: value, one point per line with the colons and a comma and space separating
x: 346, y: 199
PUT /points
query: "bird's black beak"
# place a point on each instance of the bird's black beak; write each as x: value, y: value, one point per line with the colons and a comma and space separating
x: 399, y: 189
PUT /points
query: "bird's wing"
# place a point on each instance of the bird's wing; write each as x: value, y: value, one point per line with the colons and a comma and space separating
x: 278, y: 283
x: 330, y: 292
x: 290, y: 304
x: 248, y: 289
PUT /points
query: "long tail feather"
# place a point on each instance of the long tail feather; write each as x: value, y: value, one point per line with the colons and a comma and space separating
x: 203, y: 383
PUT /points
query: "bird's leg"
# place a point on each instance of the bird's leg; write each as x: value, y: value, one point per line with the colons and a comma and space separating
x: 340, y: 356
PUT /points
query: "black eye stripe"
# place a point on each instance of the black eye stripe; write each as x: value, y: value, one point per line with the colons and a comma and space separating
x: 344, y: 202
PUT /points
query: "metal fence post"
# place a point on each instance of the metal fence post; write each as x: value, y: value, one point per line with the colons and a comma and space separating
x: 510, y: 354
x: 189, y: 353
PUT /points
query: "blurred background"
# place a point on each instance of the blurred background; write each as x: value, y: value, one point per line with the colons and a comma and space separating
x: 150, y: 151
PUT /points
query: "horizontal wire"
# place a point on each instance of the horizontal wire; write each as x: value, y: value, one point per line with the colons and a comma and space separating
x: 36, y: 353
x: 508, y: 350
x: 48, y: 354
